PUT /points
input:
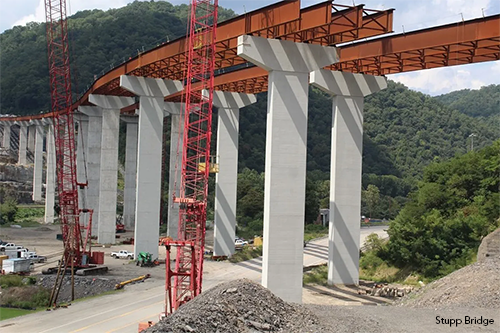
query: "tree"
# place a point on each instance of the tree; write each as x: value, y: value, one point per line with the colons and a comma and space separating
x: 8, y: 211
x: 372, y: 198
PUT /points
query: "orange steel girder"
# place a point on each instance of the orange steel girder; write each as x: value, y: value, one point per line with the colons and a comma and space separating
x: 453, y: 44
x: 324, y: 23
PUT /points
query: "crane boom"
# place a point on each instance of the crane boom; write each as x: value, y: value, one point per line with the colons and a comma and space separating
x: 75, y: 253
x: 197, y: 133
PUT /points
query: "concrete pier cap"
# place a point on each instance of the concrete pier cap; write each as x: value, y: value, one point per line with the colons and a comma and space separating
x: 151, y: 94
x: 289, y: 65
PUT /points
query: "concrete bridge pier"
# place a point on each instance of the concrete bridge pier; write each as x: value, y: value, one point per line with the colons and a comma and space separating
x: 130, y: 170
x: 110, y: 106
x: 93, y: 154
x: 289, y: 65
x: 50, y: 174
x: 81, y: 155
x: 6, y: 135
x: 226, y: 180
x: 151, y: 94
x: 39, y: 132
x: 23, y: 141
x: 31, y: 141
x: 176, y: 111
x: 348, y: 90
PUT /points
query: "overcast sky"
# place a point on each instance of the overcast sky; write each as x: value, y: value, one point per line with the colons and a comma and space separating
x: 412, y: 14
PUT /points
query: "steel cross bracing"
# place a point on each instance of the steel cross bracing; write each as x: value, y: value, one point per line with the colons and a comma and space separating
x: 75, y: 245
x: 196, y: 153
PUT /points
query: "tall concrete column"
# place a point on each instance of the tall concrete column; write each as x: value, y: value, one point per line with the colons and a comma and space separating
x: 226, y: 180
x: 130, y: 171
x: 348, y: 90
x: 23, y: 142
x: 111, y: 105
x: 31, y: 141
x: 289, y: 65
x: 38, y: 160
x: 50, y: 175
x: 6, y: 135
x: 176, y: 111
x: 93, y: 151
x: 147, y: 213
x: 81, y: 157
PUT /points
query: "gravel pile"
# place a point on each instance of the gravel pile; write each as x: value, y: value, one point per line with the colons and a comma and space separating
x: 238, y: 306
x: 474, y: 286
x: 85, y: 286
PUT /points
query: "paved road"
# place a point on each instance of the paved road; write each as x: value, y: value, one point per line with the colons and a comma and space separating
x: 122, y: 311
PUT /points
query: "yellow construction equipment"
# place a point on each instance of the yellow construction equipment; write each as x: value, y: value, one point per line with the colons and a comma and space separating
x: 140, y: 278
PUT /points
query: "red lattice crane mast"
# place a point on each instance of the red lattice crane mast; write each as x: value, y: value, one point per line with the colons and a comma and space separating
x: 75, y: 253
x: 190, y: 243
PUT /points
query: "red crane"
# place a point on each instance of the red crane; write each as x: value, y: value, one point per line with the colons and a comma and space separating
x: 190, y: 243
x: 75, y: 255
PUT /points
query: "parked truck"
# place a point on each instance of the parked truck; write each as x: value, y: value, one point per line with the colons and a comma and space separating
x: 122, y: 254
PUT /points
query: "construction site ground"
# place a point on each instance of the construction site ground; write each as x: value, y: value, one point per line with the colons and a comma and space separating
x: 338, y: 309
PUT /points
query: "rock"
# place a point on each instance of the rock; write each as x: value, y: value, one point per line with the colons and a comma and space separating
x: 490, y: 247
x: 237, y: 306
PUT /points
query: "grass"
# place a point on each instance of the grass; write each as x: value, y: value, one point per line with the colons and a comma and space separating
x: 246, y: 253
x: 318, y: 275
x: 7, y: 313
x: 313, y: 231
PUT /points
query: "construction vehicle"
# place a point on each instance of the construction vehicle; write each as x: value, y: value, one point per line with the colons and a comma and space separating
x: 76, y: 222
x: 184, y: 281
x: 120, y: 227
x: 145, y: 259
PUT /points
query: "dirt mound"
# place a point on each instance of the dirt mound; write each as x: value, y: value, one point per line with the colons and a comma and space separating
x: 238, y: 306
x: 85, y: 286
x: 474, y: 286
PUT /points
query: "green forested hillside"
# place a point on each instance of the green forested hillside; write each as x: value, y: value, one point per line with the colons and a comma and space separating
x: 484, y: 102
x: 98, y: 39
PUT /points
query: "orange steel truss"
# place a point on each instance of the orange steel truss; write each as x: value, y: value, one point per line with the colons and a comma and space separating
x: 326, y: 23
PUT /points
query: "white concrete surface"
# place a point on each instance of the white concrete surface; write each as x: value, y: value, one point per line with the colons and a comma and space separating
x: 50, y: 175
x: 81, y: 157
x: 110, y: 105
x: 289, y: 65
x: 226, y: 180
x: 176, y: 111
x: 31, y: 140
x: 23, y: 142
x: 6, y: 135
x: 151, y: 105
x: 38, y: 161
x: 348, y: 90
x: 130, y: 171
x: 93, y: 153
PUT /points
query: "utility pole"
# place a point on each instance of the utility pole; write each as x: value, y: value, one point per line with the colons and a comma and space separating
x: 472, y: 141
